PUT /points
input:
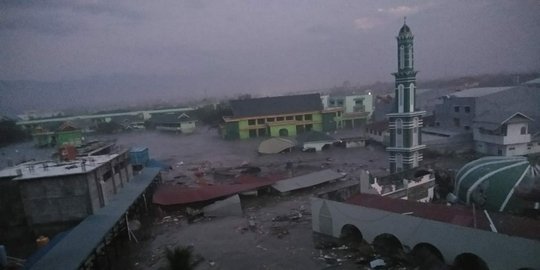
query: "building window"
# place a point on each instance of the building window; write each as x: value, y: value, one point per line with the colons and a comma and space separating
x: 251, y: 122
x: 260, y: 121
x: 270, y: 119
x: 467, y: 128
x: 456, y: 122
x: 309, y: 127
x: 299, y: 118
x: 467, y: 109
x: 262, y: 132
x: 308, y: 117
x: 340, y: 102
x: 523, y: 130
x: 359, y: 101
x: 437, y: 124
x: 456, y: 108
x: 252, y: 133
x: 280, y: 119
x: 288, y: 118
x: 511, y: 148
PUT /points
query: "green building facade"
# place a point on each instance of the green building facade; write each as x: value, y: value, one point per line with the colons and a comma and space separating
x: 281, y: 116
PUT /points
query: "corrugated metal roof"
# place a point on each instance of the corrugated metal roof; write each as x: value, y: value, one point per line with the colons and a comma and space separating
x: 479, y: 92
x: 80, y: 242
x: 457, y: 215
x: 499, y: 117
x: 175, y: 195
x: 276, y: 105
x: 307, y: 180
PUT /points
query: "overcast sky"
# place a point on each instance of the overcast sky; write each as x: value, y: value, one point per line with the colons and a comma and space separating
x: 264, y: 45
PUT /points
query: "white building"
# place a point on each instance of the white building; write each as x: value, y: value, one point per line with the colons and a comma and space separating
x: 357, y: 109
x: 503, y: 134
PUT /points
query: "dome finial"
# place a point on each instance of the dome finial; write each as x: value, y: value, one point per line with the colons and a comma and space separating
x: 404, y: 19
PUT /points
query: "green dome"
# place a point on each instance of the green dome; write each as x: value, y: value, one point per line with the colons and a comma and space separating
x: 490, y: 181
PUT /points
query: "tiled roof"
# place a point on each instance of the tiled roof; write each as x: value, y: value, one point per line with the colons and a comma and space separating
x: 276, y: 105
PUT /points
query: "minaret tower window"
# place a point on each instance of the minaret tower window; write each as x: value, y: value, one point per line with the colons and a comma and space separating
x: 400, y: 97
x: 399, y: 133
x: 411, y: 97
x: 401, y: 57
x: 410, y: 57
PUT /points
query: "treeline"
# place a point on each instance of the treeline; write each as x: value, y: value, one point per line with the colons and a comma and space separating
x: 11, y: 133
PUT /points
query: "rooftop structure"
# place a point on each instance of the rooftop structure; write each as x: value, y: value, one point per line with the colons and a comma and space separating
x: 61, y: 193
x: 49, y: 169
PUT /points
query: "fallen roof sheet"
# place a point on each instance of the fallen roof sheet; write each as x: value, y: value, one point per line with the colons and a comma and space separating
x: 275, y: 145
x: 307, y: 180
x: 227, y: 207
x: 175, y: 194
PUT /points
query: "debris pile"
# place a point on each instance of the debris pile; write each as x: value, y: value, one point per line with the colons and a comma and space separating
x: 387, y: 252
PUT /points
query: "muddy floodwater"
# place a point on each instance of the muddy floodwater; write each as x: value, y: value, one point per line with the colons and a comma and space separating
x: 224, y: 242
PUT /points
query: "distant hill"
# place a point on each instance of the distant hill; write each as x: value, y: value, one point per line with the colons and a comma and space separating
x: 121, y: 91
x: 91, y: 94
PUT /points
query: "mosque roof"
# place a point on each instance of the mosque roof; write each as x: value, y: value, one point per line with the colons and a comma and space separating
x: 491, y: 181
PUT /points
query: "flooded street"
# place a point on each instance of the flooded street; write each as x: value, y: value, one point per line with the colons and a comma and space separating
x: 223, y: 242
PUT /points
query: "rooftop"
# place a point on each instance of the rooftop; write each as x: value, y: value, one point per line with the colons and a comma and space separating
x: 49, y: 168
x: 276, y: 105
x: 457, y: 215
x: 479, y: 92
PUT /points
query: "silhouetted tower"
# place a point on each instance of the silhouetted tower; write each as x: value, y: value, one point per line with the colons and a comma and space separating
x: 405, y: 122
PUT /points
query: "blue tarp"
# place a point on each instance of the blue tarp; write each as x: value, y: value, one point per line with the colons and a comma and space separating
x: 158, y: 164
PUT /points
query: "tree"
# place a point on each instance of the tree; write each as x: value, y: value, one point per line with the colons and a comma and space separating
x: 10, y: 132
x: 180, y: 258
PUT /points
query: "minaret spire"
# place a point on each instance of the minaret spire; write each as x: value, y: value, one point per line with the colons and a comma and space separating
x: 405, y: 121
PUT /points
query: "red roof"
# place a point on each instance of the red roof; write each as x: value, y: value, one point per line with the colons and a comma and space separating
x: 457, y: 215
x: 175, y: 194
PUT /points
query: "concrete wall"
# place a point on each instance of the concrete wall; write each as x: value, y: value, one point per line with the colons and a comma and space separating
x: 455, y: 144
x: 500, y: 251
x: 445, y: 114
x: 70, y: 198
x: 55, y: 200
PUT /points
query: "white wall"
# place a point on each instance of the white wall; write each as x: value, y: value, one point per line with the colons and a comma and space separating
x: 500, y: 251
x: 514, y: 134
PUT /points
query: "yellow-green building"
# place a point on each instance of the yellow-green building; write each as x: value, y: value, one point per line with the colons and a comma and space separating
x: 277, y: 116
